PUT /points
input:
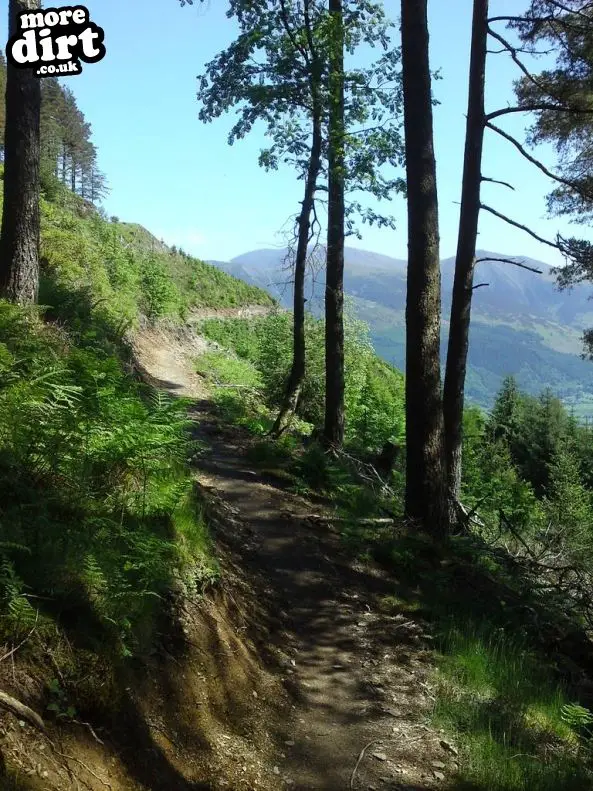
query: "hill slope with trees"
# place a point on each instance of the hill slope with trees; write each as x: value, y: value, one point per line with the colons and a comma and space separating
x: 521, y: 324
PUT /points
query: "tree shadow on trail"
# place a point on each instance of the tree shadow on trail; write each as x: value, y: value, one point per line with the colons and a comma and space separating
x: 143, y: 758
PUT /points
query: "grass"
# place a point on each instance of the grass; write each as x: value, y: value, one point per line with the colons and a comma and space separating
x: 499, y: 696
x: 503, y: 705
x: 125, y: 269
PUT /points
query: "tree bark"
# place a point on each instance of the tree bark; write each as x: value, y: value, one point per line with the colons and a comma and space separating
x: 453, y: 396
x: 425, y: 474
x: 297, y: 372
x: 333, y: 433
x: 19, y: 243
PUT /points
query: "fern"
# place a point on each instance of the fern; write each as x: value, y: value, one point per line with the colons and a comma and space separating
x: 576, y: 716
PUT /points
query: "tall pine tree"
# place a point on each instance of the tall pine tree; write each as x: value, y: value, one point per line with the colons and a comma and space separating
x: 19, y: 241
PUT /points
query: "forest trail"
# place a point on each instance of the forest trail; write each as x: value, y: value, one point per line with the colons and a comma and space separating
x: 355, y: 676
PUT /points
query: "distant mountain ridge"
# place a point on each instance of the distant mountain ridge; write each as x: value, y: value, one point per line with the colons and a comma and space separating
x: 521, y: 323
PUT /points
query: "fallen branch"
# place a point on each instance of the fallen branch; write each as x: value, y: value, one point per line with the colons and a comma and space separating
x: 21, y: 711
x: 84, y: 766
x: 360, y: 757
x: 378, y: 741
x: 370, y: 521
x: 90, y: 727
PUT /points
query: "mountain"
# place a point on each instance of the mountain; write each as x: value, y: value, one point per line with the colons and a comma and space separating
x: 521, y: 323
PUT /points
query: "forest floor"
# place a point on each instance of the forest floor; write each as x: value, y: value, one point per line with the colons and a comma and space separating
x: 357, y: 678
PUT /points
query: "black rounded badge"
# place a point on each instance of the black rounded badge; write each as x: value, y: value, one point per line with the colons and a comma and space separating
x: 54, y: 41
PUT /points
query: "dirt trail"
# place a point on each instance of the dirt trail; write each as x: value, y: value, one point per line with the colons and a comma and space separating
x: 355, y: 676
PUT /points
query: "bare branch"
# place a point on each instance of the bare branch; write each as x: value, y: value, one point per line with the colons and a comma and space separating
x: 519, y: 19
x: 537, y: 163
x: 515, y: 224
x: 513, y: 53
x: 537, y: 108
x: 508, y: 260
x: 497, y: 181
x: 479, y: 285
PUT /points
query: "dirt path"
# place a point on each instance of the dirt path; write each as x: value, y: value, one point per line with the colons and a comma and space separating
x: 356, y: 677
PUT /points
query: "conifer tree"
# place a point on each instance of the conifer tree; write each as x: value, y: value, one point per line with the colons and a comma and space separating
x: 19, y: 241
x: 333, y: 432
x: 425, y: 470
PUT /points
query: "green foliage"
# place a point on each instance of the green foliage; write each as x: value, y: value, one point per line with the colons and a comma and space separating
x: 374, y: 390
x: 568, y: 508
x: 565, y: 83
x: 535, y: 430
x: 68, y: 155
x: 117, y: 272
x: 160, y: 294
x: 278, y: 71
x: 564, y: 29
x: 93, y: 480
x: 59, y: 704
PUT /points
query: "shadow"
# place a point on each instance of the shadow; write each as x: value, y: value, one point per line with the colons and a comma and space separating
x: 144, y: 759
x: 314, y: 597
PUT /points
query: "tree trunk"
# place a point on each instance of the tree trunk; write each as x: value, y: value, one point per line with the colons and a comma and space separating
x: 334, y: 283
x: 297, y: 373
x: 19, y: 243
x: 425, y: 481
x: 453, y: 397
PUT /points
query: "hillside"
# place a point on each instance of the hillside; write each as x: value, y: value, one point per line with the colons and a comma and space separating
x: 521, y: 324
x: 188, y: 603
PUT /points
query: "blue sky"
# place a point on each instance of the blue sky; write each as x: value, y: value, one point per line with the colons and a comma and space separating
x: 180, y: 179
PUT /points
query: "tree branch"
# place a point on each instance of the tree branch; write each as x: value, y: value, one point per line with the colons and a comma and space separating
x: 537, y: 108
x: 507, y: 261
x: 515, y: 224
x: 21, y: 711
x: 497, y: 181
x: 513, y: 53
x: 290, y: 33
x: 479, y: 285
x: 537, y: 163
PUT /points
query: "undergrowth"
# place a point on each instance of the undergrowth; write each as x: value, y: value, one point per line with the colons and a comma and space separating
x: 124, y: 269
x: 501, y: 695
x: 98, y: 508
x: 98, y: 513
x: 521, y: 724
x: 374, y: 404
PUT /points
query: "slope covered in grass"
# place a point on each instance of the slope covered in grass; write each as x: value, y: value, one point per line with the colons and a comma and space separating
x: 99, y: 519
x: 123, y: 269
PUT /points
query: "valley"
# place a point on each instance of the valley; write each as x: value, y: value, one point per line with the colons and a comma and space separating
x: 521, y: 324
